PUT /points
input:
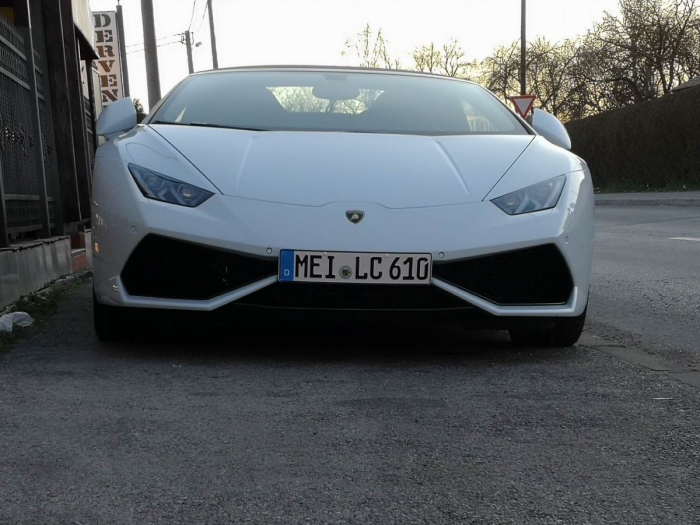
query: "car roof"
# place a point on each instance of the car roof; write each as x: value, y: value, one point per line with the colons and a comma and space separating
x: 339, y: 69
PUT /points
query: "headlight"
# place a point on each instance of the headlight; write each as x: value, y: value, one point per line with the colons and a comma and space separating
x: 542, y: 196
x: 161, y: 188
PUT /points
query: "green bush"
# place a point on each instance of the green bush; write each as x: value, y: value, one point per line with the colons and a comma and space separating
x: 652, y: 145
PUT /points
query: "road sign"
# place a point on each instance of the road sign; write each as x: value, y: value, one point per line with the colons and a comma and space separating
x: 523, y: 104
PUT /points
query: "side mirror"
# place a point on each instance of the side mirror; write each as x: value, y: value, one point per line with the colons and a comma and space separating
x: 117, y: 118
x: 551, y: 128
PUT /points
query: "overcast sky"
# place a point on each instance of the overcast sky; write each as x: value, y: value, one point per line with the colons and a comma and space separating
x: 256, y: 32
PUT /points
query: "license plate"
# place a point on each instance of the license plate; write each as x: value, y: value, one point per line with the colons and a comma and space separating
x: 356, y: 268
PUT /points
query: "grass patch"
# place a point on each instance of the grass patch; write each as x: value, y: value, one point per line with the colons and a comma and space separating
x: 633, y: 187
x: 40, y: 306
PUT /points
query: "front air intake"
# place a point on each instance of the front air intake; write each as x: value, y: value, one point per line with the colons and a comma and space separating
x: 531, y: 276
x: 172, y: 269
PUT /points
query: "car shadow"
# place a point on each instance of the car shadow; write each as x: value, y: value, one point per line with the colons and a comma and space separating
x: 351, y: 341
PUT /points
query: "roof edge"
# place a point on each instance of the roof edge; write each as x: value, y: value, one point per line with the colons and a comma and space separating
x: 355, y: 69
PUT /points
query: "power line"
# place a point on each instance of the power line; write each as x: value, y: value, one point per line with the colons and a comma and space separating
x: 204, y: 14
x: 194, y: 7
x: 140, y: 44
x: 159, y: 45
x: 160, y: 38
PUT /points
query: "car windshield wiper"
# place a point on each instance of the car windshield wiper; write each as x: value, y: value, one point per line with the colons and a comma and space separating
x: 169, y: 123
x: 204, y: 125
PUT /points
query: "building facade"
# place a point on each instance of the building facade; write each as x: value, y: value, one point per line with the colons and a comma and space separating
x: 47, y: 138
x: 47, y: 125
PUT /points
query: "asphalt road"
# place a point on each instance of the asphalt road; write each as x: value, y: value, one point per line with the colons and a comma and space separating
x: 361, y: 423
x: 646, y: 279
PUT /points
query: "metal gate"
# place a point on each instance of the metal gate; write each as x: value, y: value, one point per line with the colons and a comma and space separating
x: 20, y: 184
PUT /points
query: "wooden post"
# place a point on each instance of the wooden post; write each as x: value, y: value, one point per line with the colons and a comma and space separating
x: 24, y: 20
x: 214, y: 53
x: 523, y: 48
x: 67, y: 197
x: 75, y: 94
x: 188, y: 43
x: 150, y: 49
x: 122, y: 50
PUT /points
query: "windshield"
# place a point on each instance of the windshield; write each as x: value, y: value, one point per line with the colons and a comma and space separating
x: 337, y: 101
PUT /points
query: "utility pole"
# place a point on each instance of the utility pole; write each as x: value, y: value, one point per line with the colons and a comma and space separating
x: 188, y: 43
x: 523, y: 50
x: 122, y: 49
x: 151, y: 51
x: 214, y: 55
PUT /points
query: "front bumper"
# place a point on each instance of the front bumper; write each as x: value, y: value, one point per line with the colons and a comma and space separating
x: 167, y: 268
x: 259, y: 230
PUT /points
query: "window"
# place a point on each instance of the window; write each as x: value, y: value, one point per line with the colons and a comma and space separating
x: 339, y: 101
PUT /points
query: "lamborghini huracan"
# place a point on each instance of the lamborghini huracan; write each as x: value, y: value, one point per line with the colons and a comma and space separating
x: 338, y: 190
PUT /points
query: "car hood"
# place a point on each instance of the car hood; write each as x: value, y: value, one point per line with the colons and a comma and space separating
x: 314, y: 169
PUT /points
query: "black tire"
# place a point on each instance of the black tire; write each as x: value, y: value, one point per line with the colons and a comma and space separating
x: 111, y: 322
x: 565, y: 333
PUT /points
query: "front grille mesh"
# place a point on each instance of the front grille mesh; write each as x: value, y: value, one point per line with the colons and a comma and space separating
x: 168, y: 268
x: 530, y: 276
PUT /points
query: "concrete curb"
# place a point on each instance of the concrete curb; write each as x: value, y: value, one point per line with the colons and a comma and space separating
x: 647, y: 202
x: 56, y: 286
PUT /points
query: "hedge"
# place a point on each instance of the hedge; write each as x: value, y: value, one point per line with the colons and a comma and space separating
x: 654, y: 143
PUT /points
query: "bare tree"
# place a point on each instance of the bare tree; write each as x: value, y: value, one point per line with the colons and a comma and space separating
x: 140, y: 112
x: 449, y: 60
x: 299, y: 100
x: 427, y: 58
x: 500, y: 71
x: 650, y: 47
x: 553, y: 76
x: 454, y: 62
x: 372, y: 49
x: 640, y: 54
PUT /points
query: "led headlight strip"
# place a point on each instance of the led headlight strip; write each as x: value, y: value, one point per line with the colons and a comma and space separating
x: 542, y: 196
x: 159, y: 187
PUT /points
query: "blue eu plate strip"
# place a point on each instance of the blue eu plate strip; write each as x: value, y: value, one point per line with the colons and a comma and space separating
x: 286, y: 266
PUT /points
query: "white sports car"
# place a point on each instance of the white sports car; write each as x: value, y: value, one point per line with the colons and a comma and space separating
x: 327, y: 189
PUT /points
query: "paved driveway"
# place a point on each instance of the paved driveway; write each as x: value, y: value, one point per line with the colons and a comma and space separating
x: 341, y: 424
x: 646, y: 280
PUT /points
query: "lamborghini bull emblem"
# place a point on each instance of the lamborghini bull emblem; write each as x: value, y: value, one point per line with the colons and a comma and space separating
x: 355, y: 216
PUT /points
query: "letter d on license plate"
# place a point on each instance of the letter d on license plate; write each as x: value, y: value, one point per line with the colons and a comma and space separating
x: 356, y: 268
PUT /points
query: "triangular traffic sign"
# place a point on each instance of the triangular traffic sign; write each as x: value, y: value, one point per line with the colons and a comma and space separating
x: 523, y: 104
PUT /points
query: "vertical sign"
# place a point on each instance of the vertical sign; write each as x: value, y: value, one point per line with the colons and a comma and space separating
x: 109, y: 64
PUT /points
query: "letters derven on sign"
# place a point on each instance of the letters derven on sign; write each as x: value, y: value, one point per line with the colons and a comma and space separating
x: 109, y: 65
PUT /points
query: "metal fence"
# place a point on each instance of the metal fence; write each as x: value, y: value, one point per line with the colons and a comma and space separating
x: 20, y: 188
